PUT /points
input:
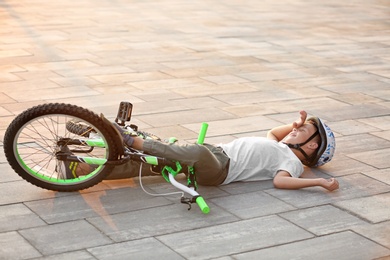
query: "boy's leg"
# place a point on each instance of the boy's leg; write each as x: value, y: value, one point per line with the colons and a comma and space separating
x: 209, y: 162
x: 129, y: 169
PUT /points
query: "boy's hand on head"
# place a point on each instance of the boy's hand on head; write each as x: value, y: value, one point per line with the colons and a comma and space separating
x: 300, y: 121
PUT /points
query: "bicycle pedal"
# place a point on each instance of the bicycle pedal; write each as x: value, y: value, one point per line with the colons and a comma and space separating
x: 124, y: 113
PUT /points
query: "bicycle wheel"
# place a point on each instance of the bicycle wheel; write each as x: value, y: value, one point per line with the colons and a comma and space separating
x: 35, y: 139
x: 84, y: 130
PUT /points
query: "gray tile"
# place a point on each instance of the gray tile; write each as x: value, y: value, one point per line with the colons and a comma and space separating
x: 360, y: 143
x: 247, y: 235
x: 246, y: 187
x: 250, y: 205
x: 7, y: 174
x: 380, y: 175
x: 186, y: 117
x: 377, y: 158
x: 94, y: 204
x: 352, y: 127
x: 147, y: 248
x: 18, y: 216
x: 20, y: 191
x: 352, y: 112
x: 345, y: 245
x: 42, y: 94
x: 374, y: 208
x: 256, y: 97
x: 158, y: 221
x: 323, y: 220
x: 64, y: 237
x: 14, y: 246
x: 385, y: 135
x: 77, y: 255
x: 343, y: 165
x: 233, y: 125
x: 351, y: 186
x: 381, y: 122
x: 380, y: 233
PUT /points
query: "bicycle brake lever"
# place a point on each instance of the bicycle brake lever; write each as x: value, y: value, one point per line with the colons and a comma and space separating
x: 186, y: 201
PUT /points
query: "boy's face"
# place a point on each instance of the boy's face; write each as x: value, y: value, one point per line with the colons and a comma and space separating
x: 300, y: 135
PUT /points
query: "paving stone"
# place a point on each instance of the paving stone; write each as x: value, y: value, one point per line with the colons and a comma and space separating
x: 186, y: 117
x: 17, y: 87
x: 356, y: 98
x: 310, y: 105
x: 14, y: 246
x: 22, y: 191
x: 247, y: 235
x: 355, y: 87
x: 159, y: 221
x: 351, y: 187
x: 381, y: 175
x: 233, y: 126
x: 23, y: 95
x: 255, y: 97
x: 343, y: 165
x: 4, y: 99
x: 4, y: 112
x: 344, y: 245
x: 147, y: 248
x: 93, y: 204
x: 352, y: 127
x: 360, y: 143
x: 74, y: 80
x: 224, y: 79
x: 275, y: 75
x: 79, y: 64
x: 239, y: 188
x: 170, y: 83
x: 323, y: 220
x: 79, y: 255
x: 380, y: 233
x: 249, y: 110
x: 250, y: 205
x: 77, y: 234
x: 381, y: 122
x: 214, y: 90
x: 121, y: 78
x: 377, y: 158
x: 352, y: 112
x: 7, y: 175
x: 17, y: 216
x: 374, y: 208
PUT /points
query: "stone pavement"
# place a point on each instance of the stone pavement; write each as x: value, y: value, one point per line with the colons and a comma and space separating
x: 243, y: 67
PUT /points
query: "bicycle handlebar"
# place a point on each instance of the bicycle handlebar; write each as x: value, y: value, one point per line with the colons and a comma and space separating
x: 202, y: 133
x: 202, y: 205
x: 199, y: 199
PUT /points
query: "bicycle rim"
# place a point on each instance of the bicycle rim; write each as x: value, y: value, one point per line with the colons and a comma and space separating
x: 36, y: 146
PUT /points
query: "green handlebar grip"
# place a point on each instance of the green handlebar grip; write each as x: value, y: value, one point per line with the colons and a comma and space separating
x: 202, y: 133
x: 202, y: 205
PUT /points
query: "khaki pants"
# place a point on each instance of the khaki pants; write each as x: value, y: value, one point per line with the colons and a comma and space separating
x: 211, y: 164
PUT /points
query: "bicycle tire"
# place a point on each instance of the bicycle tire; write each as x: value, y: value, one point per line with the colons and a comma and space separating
x: 84, y: 130
x: 31, y: 145
x: 78, y: 128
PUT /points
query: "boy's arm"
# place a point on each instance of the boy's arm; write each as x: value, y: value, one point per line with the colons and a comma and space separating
x: 283, y: 180
x: 278, y: 133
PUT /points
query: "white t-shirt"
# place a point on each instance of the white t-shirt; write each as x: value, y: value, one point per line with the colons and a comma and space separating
x: 259, y: 158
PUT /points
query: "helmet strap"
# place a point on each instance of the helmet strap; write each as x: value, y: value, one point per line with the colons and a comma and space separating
x: 299, y: 146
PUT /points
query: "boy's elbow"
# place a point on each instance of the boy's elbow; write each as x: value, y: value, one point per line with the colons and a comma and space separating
x: 278, y: 183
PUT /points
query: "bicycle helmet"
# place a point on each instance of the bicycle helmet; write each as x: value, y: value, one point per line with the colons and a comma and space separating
x: 325, y: 151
